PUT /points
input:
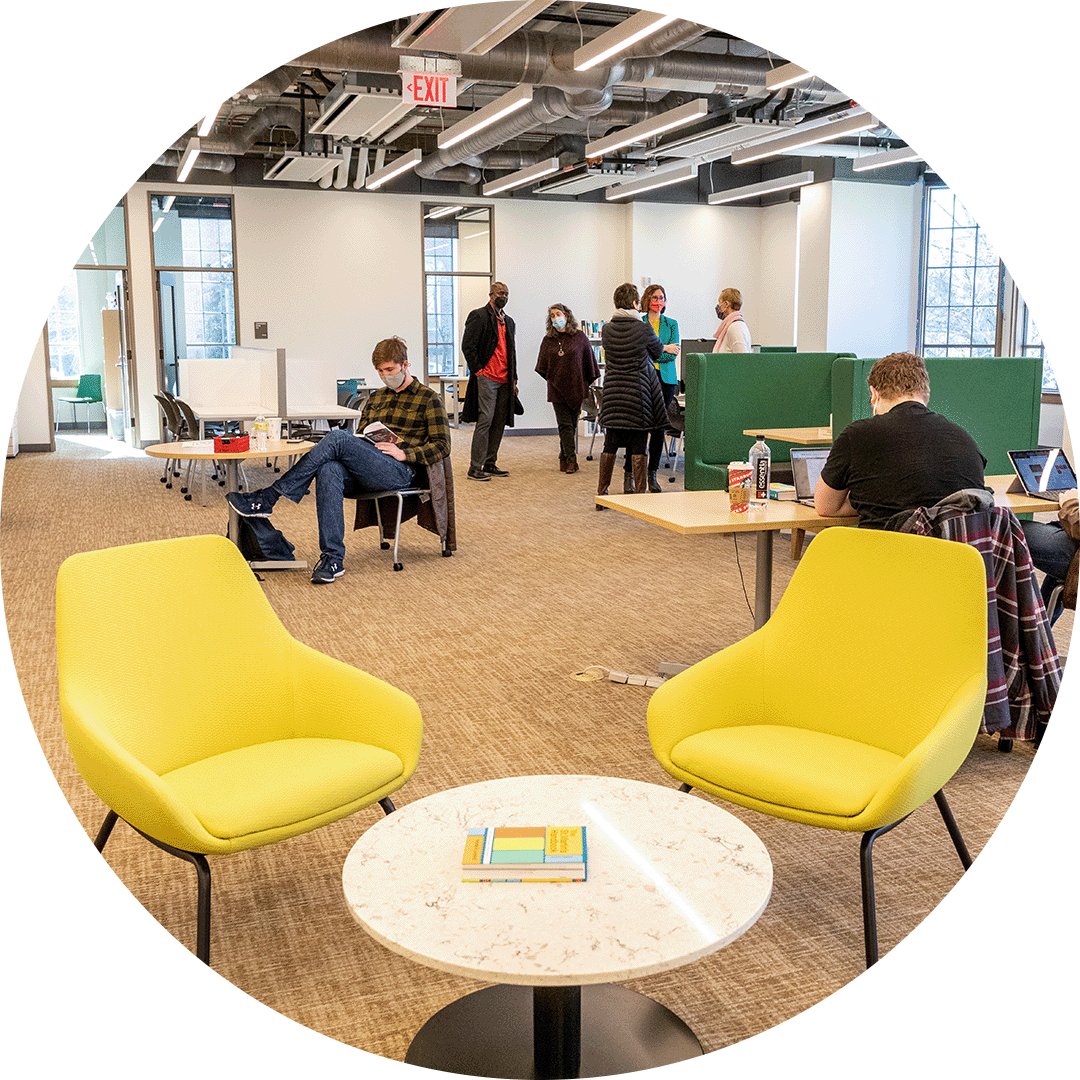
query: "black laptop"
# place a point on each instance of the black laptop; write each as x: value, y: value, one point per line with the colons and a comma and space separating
x: 806, y: 465
x: 1043, y: 473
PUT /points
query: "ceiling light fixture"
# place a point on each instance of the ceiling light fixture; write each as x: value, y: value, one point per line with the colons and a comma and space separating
x: 766, y: 187
x: 187, y: 160
x: 207, y: 123
x: 396, y: 167
x: 518, y: 15
x: 444, y: 211
x: 898, y: 156
x: 295, y: 167
x: 661, y: 178
x: 510, y: 102
x: 647, y: 129
x: 785, y: 75
x: 157, y: 224
x: 166, y: 206
x: 803, y: 136
x: 620, y: 37
x: 523, y: 176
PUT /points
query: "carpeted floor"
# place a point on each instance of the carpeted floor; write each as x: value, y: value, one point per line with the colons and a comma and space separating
x: 487, y: 642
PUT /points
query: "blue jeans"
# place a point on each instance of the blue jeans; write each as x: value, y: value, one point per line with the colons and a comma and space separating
x: 1052, y: 550
x: 341, y: 465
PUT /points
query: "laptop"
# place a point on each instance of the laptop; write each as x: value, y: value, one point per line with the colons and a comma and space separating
x: 1042, y: 473
x: 806, y: 465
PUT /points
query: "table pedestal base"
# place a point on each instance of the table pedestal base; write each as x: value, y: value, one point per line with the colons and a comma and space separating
x: 490, y: 1033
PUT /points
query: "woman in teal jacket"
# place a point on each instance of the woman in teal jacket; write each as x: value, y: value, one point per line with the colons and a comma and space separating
x: 653, y: 303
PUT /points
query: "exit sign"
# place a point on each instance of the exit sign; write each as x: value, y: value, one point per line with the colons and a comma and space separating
x: 425, y: 88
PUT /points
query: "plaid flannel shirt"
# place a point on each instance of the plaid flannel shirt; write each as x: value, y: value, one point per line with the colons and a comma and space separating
x: 1023, y: 671
x: 417, y: 416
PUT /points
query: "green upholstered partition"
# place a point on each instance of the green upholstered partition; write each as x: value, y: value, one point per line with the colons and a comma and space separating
x: 776, y: 348
x: 996, y: 399
x: 728, y: 392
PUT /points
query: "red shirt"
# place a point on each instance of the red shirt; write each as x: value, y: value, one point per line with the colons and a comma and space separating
x: 495, y: 368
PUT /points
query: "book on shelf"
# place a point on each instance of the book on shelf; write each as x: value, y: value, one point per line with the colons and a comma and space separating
x: 377, y: 432
x: 525, y: 853
x: 782, y: 492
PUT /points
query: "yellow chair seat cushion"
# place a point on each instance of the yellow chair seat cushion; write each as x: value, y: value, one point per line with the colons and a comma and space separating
x: 788, y: 767
x: 278, y: 784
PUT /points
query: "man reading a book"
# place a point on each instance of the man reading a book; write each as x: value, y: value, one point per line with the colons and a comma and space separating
x: 344, y: 465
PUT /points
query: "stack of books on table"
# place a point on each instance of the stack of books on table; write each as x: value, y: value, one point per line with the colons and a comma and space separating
x: 505, y: 853
x: 782, y: 492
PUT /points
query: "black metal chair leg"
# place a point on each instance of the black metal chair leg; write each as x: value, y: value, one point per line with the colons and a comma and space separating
x: 685, y: 787
x: 954, y: 831
x: 387, y: 805
x: 866, y: 864
x: 106, y: 829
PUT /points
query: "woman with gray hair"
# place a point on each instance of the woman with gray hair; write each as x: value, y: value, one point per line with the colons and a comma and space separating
x: 567, y: 362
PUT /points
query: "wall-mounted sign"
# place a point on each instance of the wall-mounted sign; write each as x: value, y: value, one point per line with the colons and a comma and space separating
x: 428, y: 88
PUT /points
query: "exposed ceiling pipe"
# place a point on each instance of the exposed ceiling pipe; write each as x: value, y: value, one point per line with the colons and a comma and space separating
x: 272, y: 85
x: 217, y: 162
x: 260, y: 125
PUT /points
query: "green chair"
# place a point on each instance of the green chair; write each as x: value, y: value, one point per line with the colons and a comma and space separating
x: 253, y: 739
x: 87, y: 393
x: 853, y: 705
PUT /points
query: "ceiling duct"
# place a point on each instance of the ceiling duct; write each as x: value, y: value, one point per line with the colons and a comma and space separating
x: 258, y: 127
x: 356, y: 109
x: 223, y: 163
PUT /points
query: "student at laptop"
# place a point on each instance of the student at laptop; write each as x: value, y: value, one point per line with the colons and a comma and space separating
x: 901, y: 458
x: 1055, y: 550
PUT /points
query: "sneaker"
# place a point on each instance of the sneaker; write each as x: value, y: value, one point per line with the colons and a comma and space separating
x: 327, y: 570
x: 252, y: 503
x: 494, y: 470
x: 477, y: 474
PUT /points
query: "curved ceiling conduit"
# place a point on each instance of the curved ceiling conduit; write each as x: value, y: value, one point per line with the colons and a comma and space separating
x: 223, y: 163
x: 260, y: 125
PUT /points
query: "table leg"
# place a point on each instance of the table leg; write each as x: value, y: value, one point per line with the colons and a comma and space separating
x: 763, y: 582
x: 232, y: 483
x: 557, y: 1031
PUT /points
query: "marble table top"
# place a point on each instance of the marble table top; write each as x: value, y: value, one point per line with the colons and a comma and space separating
x: 671, y: 877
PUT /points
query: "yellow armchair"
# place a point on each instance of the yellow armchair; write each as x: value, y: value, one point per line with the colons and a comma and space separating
x: 247, y: 738
x: 853, y: 705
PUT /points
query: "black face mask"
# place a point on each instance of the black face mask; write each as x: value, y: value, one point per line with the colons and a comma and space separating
x: 719, y: 313
x: 499, y: 302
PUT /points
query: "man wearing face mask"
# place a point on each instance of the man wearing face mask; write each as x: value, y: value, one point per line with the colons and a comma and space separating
x: 489, y: 349
x: 344, y: 465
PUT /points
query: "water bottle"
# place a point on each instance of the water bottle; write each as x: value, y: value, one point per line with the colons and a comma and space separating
x: 760, y: 472
x: 261, y: 430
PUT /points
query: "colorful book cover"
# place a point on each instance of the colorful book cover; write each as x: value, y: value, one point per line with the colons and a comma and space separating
x: 783, y: 492
x: 531, y: 853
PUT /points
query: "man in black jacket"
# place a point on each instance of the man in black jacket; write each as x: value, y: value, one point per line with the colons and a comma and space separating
x: 488, y: 345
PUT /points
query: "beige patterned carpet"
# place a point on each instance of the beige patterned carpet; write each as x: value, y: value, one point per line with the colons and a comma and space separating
x: 487, y: 642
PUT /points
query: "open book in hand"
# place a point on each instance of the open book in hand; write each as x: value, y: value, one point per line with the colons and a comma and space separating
x: 377, y: 432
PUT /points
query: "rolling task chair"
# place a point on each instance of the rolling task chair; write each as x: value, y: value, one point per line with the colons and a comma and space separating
x: 256, y: 739
x: 853, y: 705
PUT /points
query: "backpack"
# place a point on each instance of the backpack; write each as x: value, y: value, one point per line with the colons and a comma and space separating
x: 261, y: 542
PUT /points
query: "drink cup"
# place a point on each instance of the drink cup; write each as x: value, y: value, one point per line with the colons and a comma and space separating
x: 739, y: 481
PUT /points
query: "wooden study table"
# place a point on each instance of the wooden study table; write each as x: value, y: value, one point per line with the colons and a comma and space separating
x: 691, y: 512
x: 801, y: 436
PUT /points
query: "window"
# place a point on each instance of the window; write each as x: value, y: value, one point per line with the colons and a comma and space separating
x: 458, y: 264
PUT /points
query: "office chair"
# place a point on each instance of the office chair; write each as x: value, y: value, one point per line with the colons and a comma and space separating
x: 212, y: 757
x: 87, y: 393
x: 853, y: 705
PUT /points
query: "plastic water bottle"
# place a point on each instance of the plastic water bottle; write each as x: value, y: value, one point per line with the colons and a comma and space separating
x: 261, y: 433
x: 760, y: 472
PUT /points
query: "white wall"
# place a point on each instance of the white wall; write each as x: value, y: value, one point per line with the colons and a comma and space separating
x: 814, y: 229
x: 35, y: 429
x: 777, y: 302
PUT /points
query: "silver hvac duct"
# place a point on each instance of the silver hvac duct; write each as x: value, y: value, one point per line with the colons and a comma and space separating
x: 223, y: 163
x: 272, y: 85
x: 260, y: 124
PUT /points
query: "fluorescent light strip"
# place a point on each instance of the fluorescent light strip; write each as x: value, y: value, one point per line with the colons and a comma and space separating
x: 786, y: 75
x: 899, y: 156
x: 860, y: 121
x: 445, y: 211
x: 510, y: 102
x: 523, y: 176
x: 157, y: 224
x: 207, y: 122
x: 398, y: 166
x: 619, y: 37
x: 656, y: 125
x: 166, y: 206
x: 766, y: 187
x: 187, y: 161
x: 678, y: 175
x: 500, y: 31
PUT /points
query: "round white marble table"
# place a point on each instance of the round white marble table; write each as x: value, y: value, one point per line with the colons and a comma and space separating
x: 671, y: 878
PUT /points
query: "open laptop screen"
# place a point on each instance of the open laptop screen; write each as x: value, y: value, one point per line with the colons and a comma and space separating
x: 1043, y: 470
x: 806, y: 466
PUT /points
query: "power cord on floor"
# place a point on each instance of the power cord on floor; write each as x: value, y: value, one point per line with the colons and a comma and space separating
x: 742, y: 580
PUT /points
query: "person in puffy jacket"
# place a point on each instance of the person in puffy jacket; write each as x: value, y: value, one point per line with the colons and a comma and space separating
x: 633, y: 403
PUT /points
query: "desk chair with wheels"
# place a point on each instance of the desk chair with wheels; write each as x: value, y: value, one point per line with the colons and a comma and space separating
x: 257, y: 738
x: 853, y: 705
x: 87, y: 393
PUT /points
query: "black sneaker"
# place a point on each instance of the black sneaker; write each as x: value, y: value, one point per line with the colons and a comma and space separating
x: 494, y: 470
x: 477, y: 474
x: 252, y: 503
x: 327, y: 570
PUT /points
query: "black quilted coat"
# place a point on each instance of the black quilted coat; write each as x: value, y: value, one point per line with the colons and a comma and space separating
x: 632, y: 398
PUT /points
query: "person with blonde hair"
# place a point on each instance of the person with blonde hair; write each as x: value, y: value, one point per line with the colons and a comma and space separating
x: 567, y: 363
x: 732, y: 335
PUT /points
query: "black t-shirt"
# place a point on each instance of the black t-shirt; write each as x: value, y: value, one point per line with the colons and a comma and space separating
x: 906, y: 458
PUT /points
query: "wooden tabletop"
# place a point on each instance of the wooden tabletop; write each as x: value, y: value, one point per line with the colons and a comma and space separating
x: 802, y: 436
x: 203, y: 449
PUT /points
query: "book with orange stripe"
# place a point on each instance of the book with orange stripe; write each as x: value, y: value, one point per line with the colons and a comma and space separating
x: 530, y: 853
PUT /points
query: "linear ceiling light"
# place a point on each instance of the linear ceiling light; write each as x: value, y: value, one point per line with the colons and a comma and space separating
x: 766, y: 187
x: 647, y: 129
x: 207, y: 123
x: 444, y: 211
x: 898, y: 156
x: 523, y: 176
x: 166, y: 206
x: 510, y: 102
x: 396, y: 167
x: 187, y: 160
x: 518, y: 15
x: 662, y: 178
x: 849, y: 125
x: 785, y: 75
x: 618, y: 38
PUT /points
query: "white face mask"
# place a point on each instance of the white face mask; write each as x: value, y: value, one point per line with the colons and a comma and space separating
x: 559, y: 323
x: 393, y: 381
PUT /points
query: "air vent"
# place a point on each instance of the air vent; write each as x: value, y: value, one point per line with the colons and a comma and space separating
x: 358, y: 110
x: 584, y: 178
x: 302, y: 168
